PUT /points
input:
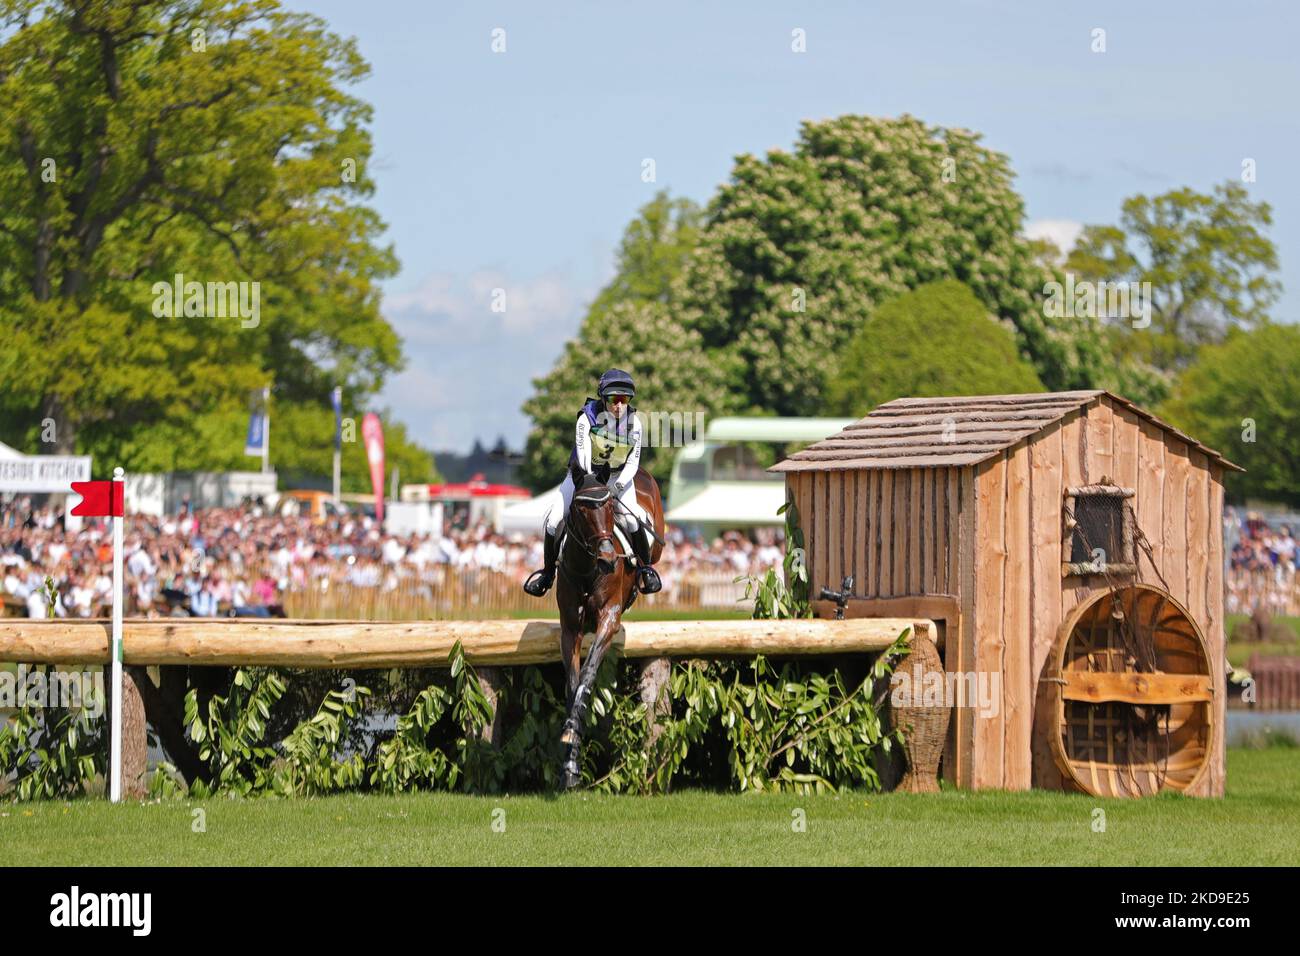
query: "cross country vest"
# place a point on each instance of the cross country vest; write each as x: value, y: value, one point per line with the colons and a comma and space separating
x: 611, y: 438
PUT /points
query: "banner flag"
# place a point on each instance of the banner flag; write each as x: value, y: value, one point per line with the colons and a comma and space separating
x: 373, y: 434
x: 255, y: 443
x: 99, y: 499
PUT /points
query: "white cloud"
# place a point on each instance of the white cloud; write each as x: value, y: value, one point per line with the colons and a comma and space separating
x: 1063, y: 232
x: 469, y: 369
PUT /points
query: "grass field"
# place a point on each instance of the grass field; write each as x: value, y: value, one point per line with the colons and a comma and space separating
x: 1239, y: 651
x: 1257, y: 823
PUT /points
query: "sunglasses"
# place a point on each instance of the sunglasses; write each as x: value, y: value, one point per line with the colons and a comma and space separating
x: 613, y: 399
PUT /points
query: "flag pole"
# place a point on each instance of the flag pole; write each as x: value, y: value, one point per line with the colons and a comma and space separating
x: 115, y: 733
x: 338, y: 440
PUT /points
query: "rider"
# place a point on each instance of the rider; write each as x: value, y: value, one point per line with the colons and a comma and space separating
x: 607, y: 437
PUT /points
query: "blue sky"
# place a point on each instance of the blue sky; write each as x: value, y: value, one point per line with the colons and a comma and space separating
x: 520, y: 169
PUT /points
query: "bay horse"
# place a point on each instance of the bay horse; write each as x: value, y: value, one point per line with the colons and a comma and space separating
x: 596, y: 583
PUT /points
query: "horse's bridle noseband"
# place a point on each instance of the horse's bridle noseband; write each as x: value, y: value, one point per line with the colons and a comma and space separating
x: 589, y: 546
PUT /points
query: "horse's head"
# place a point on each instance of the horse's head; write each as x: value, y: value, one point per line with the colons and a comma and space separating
x: 591, y: 521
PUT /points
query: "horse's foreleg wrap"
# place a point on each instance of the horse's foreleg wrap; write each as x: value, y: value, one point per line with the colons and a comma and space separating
x: 571, y: 736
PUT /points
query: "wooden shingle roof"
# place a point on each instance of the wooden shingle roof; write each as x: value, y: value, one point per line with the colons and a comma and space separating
x: 949, y: 432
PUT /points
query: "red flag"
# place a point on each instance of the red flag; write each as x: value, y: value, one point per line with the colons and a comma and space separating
x: 99, y: 498
x: 372, y: 432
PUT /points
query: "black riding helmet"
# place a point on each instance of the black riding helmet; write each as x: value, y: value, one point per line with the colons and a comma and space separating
x: 616, y: 382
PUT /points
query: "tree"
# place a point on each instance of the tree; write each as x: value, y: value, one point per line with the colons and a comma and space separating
x: 211, y: 140
x: 800, y: 248
x: 1242, y: 398
x: 1208, y: 263
x: 630, y: 325
x: 937, y: 339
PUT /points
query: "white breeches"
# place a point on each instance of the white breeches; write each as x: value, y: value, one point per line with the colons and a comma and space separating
x: 556, y: 513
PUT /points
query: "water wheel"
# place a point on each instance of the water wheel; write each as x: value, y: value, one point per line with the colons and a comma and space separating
x: 1132, y: 694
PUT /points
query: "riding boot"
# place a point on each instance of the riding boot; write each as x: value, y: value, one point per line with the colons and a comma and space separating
x: 539, y: 582
x: 646, y: 575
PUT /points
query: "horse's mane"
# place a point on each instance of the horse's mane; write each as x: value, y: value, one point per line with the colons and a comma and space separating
x: 592, y: 489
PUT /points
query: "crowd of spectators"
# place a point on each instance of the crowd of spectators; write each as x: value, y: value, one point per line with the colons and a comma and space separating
x: 246, y: 561
x: 1262, y: 546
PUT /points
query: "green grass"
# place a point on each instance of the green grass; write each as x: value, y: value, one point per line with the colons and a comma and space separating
x: 1257, y: 823
x: 1239, y: 651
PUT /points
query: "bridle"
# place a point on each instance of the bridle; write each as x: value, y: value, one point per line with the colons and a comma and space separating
x: 589, y: 545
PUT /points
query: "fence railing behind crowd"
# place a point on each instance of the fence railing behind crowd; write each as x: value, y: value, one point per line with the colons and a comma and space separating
x: 455, y: 592
x: 1278, y: 595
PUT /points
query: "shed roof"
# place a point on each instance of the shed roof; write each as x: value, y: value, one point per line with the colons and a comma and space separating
x: 955, y: 431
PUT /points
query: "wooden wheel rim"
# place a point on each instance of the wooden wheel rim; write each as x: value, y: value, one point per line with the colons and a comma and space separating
x: 1187, y: 630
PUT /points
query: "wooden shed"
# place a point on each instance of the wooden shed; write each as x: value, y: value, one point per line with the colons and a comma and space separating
x: 975, y: 512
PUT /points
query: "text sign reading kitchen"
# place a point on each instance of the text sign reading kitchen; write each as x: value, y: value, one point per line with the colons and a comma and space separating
x: 37, y: 474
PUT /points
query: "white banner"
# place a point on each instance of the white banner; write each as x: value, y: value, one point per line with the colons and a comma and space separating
x: 43, y: 473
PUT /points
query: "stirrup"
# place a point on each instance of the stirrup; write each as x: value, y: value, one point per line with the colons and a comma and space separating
x: 649, y: 580
x: 539, y: 582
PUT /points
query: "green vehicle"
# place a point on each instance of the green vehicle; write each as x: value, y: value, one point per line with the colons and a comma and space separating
x: 721, y: 482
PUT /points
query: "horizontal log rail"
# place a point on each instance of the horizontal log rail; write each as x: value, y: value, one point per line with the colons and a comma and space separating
x: 364, y: 644
x: 1134, y: 688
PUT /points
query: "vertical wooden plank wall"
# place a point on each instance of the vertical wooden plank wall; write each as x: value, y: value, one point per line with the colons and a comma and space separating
x: 902, y: 536
x: 950, y: 531
x: 1215, y: 633
x: 836, y: 527
x: 798, y: 486
x: 964, y: 719
x: 1100, y: 464
x: 1197, y: 561
x: 1074, y: 458
x: 1017, y: 627
x: 894, y: 530
x: 884, y: 535
x: 990, y: 600
x: 1045, y: 496
x: 1174, y: 518
x: 1148, y: 504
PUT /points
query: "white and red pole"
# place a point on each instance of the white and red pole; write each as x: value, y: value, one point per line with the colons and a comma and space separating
x: 115, y: 726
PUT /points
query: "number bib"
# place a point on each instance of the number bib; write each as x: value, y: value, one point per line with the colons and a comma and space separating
x: 609, y: 450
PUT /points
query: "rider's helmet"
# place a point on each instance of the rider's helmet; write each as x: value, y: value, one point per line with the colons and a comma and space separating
x: 616, y: 382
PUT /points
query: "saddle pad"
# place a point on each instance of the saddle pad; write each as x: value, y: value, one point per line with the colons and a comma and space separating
x: 624, y: 542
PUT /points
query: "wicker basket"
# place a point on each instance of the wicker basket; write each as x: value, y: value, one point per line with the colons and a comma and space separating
x: 925, y: 728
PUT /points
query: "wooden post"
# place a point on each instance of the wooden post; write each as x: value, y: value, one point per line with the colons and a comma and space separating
x: 135, y: 735
x: 653, y: 689
x: 490, y: 681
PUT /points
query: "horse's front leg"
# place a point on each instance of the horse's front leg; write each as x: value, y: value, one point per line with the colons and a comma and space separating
x: 571, y: 658
x: 570, y: 649
x: 572, y: 737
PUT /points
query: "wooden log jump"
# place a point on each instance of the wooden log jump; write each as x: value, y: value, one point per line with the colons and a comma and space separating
x: 365, y: 644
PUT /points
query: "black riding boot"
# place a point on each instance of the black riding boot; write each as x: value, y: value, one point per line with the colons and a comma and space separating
x: 646, y: 575
x: 539, y: 582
